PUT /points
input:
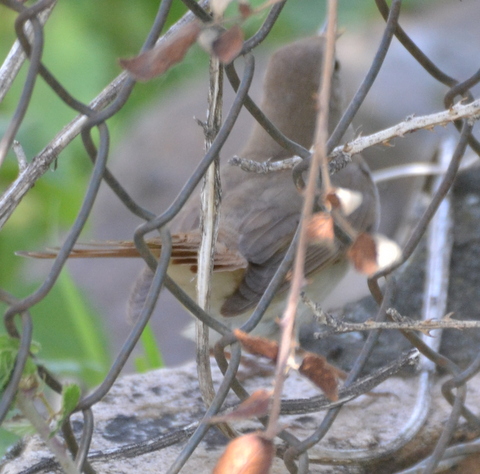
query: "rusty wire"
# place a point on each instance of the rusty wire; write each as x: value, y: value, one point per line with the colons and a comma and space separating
x: 108, y: 104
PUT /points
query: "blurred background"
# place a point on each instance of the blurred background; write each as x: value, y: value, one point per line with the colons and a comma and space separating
x: 156, y: 143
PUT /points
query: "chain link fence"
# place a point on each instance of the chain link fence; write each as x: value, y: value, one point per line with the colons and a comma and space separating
x: 460, y: 108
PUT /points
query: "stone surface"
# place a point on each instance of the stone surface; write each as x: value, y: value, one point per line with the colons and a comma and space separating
x: 162, y: 402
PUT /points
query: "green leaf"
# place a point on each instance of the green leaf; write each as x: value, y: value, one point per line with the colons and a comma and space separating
x: 82, y: 318
x: 70, y: 397
x: 7, y: 439
x: 152, y: 358
x: 8, y: 353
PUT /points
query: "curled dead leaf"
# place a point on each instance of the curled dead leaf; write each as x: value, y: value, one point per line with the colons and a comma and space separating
x: 332, y: 199
x: 245, y: 9
x: 156, y: 61
x: 363, y: 254
x: 321, y: 373
x: 371, y: 253
x: 255, y: 406
x: 320, y: 229
x: 257, y: 345
x: 228, y: 45
x: 248, y: 454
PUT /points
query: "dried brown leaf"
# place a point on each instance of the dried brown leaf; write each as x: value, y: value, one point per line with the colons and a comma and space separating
x: 363, y: 254
x: 245, y: 9
x: 255, y: 406
x: 248, y: 454
x: 228, y: 45
x: 321, y: 373
x: 333, y: 200
x: 320, y: 228
x: 257, y: 345
x: 156, y: 61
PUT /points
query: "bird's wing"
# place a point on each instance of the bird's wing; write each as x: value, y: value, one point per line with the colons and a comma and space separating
x: 266, y: 230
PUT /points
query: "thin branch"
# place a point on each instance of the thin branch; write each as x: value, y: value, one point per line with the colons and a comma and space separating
x: 210, y: 200
x: 41, y: 163
x: 25, y: 403
x: 334, y: 325
x: 263, y: 167
x: 20, y: 154
x: 343, y: 153
x: 16, y: 57
x: 413, y: 124
x: 288, y: 320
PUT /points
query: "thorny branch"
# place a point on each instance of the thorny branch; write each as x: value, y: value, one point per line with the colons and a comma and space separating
x: 342, y: 154
x: 334, y: 325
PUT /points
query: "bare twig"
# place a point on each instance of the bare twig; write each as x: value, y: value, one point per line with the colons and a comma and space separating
x: 263, y: 167
x: 20, y: 154
x: 16, y: 57
x: 288, y: 320
x: 210, y: 198
x: 41, y: 163
x: 336, y: 326
x: 25, y: 403
x: 343, y: 153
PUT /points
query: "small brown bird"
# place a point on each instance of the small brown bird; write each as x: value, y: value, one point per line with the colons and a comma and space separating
x: 259, y: 213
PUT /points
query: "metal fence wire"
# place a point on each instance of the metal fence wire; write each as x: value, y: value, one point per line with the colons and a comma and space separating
x: 19, y: 323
